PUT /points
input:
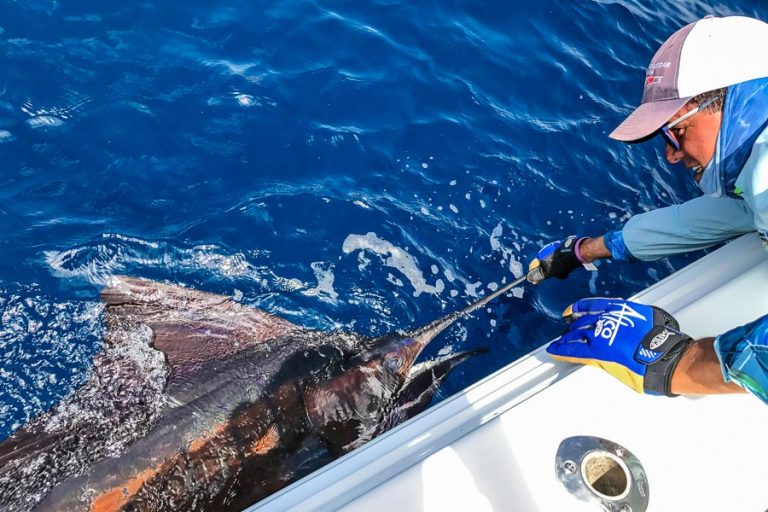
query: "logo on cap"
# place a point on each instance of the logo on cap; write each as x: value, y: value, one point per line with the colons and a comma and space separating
x: 656, y: 67
x: 650, y: 80
x: 659, y: 65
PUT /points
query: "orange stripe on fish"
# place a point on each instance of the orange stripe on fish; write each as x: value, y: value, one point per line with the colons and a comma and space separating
x: 266, y: 442
x: 200, y: 442
x: 117, y: 497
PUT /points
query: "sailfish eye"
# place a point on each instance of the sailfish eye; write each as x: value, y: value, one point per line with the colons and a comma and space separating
x: 394, y: 362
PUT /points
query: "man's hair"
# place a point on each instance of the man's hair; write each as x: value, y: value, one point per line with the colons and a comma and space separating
x: 715, y: 106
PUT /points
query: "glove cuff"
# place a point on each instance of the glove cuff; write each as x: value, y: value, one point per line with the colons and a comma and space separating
x: 658, y: 376
x: 563, y: 261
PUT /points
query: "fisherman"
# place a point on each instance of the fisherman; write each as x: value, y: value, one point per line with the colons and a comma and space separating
x: 706, y: 94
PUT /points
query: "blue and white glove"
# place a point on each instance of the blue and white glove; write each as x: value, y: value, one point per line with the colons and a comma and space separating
x: 639, y: 345
x: 556, y: 259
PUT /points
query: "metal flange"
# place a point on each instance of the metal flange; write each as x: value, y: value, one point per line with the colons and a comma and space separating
x: 600, y: 471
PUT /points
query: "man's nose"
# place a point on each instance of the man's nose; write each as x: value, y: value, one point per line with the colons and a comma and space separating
x: 673, y: 155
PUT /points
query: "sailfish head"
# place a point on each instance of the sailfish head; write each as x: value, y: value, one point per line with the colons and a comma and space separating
x: 420, y: 386
x: 367, y: 397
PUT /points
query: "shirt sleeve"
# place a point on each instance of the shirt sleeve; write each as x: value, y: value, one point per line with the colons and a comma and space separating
x: 695, y: 224
x: 743, y: 355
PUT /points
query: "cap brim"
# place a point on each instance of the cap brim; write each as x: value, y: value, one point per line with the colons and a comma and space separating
x: 646, y: 119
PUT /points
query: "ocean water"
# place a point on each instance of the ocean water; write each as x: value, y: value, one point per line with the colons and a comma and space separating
x: 363, y: 166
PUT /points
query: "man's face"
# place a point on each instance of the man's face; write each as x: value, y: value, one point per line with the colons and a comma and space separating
x: 697, y: 136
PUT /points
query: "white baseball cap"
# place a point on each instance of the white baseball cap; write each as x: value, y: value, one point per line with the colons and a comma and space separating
x: 706, y: 55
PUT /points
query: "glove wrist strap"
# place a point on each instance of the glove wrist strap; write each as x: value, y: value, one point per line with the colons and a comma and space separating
x: 658, y: 376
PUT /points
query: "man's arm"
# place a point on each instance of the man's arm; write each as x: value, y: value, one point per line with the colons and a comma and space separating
x: 695, y: 224
x: 699, y: 373
x: 593, y: 249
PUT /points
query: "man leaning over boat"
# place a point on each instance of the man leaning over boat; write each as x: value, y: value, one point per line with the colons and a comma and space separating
x: 706, y: 94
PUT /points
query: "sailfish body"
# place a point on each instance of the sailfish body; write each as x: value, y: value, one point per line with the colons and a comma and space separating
x: 241, y: 404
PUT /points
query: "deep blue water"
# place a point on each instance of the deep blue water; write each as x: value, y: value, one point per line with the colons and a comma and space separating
x: 347, y: 165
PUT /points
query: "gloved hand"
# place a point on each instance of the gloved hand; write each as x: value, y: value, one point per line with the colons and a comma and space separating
x: 639, y: 345
x: 556, y: 259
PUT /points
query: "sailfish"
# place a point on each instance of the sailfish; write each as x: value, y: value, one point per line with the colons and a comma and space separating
x: 200, y: 403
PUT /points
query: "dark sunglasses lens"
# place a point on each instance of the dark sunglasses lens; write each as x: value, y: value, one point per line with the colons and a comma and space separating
x: 669, y: 138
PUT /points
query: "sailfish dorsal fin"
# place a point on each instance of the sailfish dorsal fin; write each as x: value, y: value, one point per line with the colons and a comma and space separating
x: 190, y: 327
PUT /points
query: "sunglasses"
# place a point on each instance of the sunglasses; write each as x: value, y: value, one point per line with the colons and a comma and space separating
x: 669, y: 137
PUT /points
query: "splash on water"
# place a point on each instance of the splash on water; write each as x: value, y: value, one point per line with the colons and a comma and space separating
x: 45, y: 344
x: 324, y: 289
x: 507, y: 255
x: 393, y: 257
